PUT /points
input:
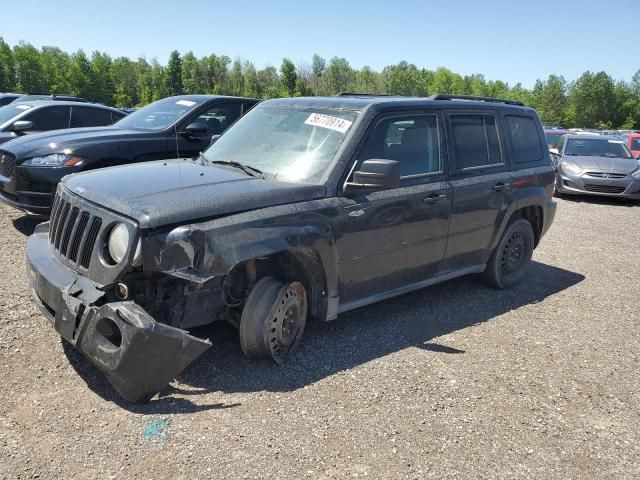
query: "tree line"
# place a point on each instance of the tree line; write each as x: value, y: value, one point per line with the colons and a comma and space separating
x: 594, y: 100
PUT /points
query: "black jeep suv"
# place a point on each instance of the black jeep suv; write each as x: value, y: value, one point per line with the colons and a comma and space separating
x: 306, y: 207
x: 31, y: 166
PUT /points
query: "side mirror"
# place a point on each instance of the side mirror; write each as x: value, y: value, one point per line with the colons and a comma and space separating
x: 22, y: 126
x: 214, y: 138
x: 555, y: 151
x: 196, y: 130
x: 376, y: 174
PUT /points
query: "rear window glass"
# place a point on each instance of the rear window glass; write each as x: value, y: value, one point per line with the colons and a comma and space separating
x: 525, y: 140
x: 475, y: 140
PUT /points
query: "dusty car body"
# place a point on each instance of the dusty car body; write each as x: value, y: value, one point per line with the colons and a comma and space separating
x: 597, y: 165
x: 305, y: 207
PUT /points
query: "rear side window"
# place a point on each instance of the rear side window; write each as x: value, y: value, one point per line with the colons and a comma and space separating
x: 525, y: 140
x: 475, y: 140
x: 90, y: 117
x: 49, y: 118
x: 635, y: 143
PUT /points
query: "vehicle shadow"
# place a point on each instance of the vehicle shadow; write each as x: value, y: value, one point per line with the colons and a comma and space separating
x: 607, y: 201
x: 27, y: 223
x: 357, y: 337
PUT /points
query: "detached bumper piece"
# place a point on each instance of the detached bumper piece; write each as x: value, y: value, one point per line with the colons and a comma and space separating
x: 138, y: 355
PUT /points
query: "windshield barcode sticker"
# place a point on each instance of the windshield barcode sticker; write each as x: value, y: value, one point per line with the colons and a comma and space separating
x: 327, y: 121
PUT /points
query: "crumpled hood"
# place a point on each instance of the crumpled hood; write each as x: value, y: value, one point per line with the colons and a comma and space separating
x: 73, y: 139
x: 604, y: 164
x: 167, y: 192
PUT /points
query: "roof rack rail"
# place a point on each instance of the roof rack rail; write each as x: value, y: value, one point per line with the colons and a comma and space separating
x: 446, y: 96
x: 354, y: 94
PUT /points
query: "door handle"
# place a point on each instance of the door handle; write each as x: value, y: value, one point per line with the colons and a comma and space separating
x: 433, y: 198
x: 499, y: 187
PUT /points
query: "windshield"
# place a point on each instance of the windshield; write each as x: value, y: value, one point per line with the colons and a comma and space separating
x: 595, y: 147
x: 289, y: 143
x: 9, y: 111
x: 158, y: 115
x: 552, y: 138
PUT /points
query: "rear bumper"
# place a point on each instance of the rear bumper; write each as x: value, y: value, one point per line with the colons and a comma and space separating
x: 138, y: 355
x: 626, y: 187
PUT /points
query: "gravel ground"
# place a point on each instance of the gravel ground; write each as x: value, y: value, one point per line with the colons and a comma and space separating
x: 454, y: 381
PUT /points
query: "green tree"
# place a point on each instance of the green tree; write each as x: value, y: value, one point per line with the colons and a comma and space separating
x: 593, y: 99
x: 339, y: 76
x: 250, y: 81
x: 7, y: 67
x: 549, y: 98
x: 288, y: 77
x: 28, y: 69
x: 174, y: 77
x: 101, y: 79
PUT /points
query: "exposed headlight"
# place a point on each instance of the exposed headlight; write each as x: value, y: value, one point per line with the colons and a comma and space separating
x: 570, y: 168
x: 54, y: 160
x: 118, y: 245
x: 636, y: 174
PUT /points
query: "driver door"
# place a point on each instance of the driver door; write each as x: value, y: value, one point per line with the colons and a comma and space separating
x: 396, y: 237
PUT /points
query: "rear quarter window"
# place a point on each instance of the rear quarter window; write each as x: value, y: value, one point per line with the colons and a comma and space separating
x: 525, y: 139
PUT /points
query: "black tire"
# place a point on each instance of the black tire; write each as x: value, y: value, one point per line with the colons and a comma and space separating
x: 508, y: 264
x: 273, y: 320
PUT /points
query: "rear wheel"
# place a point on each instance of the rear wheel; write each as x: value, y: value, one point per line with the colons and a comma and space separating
x: 273, y: 319
x: 509, y: 261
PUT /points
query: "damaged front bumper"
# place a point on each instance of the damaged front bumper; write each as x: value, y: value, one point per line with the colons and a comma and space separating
x: 138, y: 354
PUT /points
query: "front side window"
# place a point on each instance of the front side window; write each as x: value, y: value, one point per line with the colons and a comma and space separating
x: 285, y: 142
x: 13, y: 110
x: 525, y: 140
x: 159, y: 115
x: 596, y: 147
x: 49, y: 118
x: 475, y: 140
x: 412, y: 141
x: 219, y: 118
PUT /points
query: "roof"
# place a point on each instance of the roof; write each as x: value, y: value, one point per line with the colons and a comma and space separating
x: 359, y: 102
x: 64, y: 103
x: 202, y: 98
x: 594, y: 136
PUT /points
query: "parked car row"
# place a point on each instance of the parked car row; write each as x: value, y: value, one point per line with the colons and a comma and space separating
x: 32, y: 165
x: 303, y: 208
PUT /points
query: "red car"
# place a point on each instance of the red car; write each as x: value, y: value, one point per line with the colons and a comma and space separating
x: 632, y: 140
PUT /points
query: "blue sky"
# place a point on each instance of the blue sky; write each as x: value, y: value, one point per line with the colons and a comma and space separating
x: 514, y: 41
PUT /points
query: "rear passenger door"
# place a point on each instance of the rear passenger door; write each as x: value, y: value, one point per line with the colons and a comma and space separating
x: 397, y: 237
x: 90, y: 117
x: 481, y: 183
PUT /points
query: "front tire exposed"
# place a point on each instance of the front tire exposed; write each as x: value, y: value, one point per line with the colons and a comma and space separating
x: 273, y: 319
x: 508, y: 264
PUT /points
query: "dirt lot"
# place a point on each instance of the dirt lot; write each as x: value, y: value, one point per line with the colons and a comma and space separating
x: 455, y: 381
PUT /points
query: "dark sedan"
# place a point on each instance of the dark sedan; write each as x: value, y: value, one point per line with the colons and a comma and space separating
x: 597, y: 165
x: 183, y: 126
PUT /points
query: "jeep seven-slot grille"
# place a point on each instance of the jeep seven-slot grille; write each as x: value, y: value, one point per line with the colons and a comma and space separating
x: 7, y: 164
x: 73, y: 232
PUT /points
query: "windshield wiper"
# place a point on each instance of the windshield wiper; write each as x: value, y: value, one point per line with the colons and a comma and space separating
x: 248, y: 169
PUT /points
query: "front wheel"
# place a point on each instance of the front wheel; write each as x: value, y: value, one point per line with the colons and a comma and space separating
x: 509, y: 261
x: 273, y: 319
